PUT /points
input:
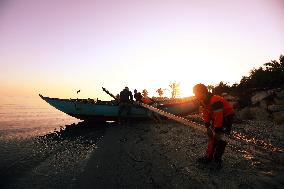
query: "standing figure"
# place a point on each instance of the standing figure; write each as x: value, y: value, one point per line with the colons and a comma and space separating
x: 138, y: 96
x: 218, y: 116
x: 125, y: 101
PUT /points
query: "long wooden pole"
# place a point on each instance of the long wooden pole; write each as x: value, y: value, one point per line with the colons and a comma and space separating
x: 234, y: 139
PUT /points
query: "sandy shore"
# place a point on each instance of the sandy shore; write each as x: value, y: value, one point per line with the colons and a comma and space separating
x: 51, y: 161
x: 140, y: 155
x: 148, y: 155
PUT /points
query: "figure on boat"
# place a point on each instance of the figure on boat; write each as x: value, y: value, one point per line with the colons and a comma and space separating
x: 138, y: 96
x: 98, y: 110
x: 125, y: 103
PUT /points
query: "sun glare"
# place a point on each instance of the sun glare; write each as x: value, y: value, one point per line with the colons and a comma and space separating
x: 186, y: 91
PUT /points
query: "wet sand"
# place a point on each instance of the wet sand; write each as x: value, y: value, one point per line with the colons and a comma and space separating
x: 140, y: 155
x: 54, y: 160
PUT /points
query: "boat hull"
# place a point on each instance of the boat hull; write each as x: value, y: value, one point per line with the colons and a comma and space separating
x: 108, y: 110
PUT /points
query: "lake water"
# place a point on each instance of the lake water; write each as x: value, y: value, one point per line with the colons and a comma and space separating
x: 40, y: 146
x: 24, y: 117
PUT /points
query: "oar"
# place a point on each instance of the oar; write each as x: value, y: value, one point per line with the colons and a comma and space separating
x: 109, y: 93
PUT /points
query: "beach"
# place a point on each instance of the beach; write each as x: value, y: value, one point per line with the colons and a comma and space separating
x: 72, y: 71
x: 138, y: 155
x: 164, y: 156
x: 53, y: 160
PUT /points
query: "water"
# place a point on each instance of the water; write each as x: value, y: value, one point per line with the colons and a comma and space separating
x: 40, y: 146
x: 25, y: 117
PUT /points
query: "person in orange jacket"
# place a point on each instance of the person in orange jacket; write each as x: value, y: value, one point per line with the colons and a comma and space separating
x: 217, y: 115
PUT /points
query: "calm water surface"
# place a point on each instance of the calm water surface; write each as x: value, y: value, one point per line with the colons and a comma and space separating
x: 24, y: 117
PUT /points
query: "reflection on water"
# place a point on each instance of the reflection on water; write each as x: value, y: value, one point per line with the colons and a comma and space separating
x: 25, y: 117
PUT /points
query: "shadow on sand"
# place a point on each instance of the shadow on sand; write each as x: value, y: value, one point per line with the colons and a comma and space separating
x: 84, y: 132
x: 64, y: 148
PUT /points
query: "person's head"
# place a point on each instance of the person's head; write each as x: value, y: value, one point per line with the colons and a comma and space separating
x: 200, y: 91
x: 135, y: 91
x: 126, y: 88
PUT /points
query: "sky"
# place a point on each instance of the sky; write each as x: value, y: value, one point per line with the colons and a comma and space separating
x: 56, y: 47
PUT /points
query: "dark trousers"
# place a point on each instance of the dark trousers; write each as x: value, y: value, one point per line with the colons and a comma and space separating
x: 216, y: 144
x: 124, y: 109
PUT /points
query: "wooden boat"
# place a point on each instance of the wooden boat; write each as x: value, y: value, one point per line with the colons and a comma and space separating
x: 91, y: 110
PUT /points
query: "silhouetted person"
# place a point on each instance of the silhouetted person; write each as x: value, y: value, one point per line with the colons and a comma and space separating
x: 117, y: 97
x: 218, y: 116
x: 138, y: 96
x: 125, y: 101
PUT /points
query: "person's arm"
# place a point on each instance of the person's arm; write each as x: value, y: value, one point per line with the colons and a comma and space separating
x: 131, y: 96
x: 140, y: 97
x: 217, y: 109
x: 206, y: 116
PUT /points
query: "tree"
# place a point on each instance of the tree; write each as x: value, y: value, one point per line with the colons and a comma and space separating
x: 210, y: 88
x: 145, y: 93
x: 175, y: 89
x: 221, y: 88
x: 160, y: 92
x: 281, y: 59
x: 269, y: 76
x: 274, y: 65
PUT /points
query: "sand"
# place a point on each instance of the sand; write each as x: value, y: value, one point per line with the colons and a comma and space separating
x: 149, y: 155
x: 51, y: 161
x: 139, y: 155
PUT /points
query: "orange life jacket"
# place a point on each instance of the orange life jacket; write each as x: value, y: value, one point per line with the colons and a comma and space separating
x: 215, y: 110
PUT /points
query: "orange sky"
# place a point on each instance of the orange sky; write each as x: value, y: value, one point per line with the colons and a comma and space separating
x: 58, y: 47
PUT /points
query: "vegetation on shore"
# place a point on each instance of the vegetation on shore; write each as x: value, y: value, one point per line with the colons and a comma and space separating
x: 268, y: 76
